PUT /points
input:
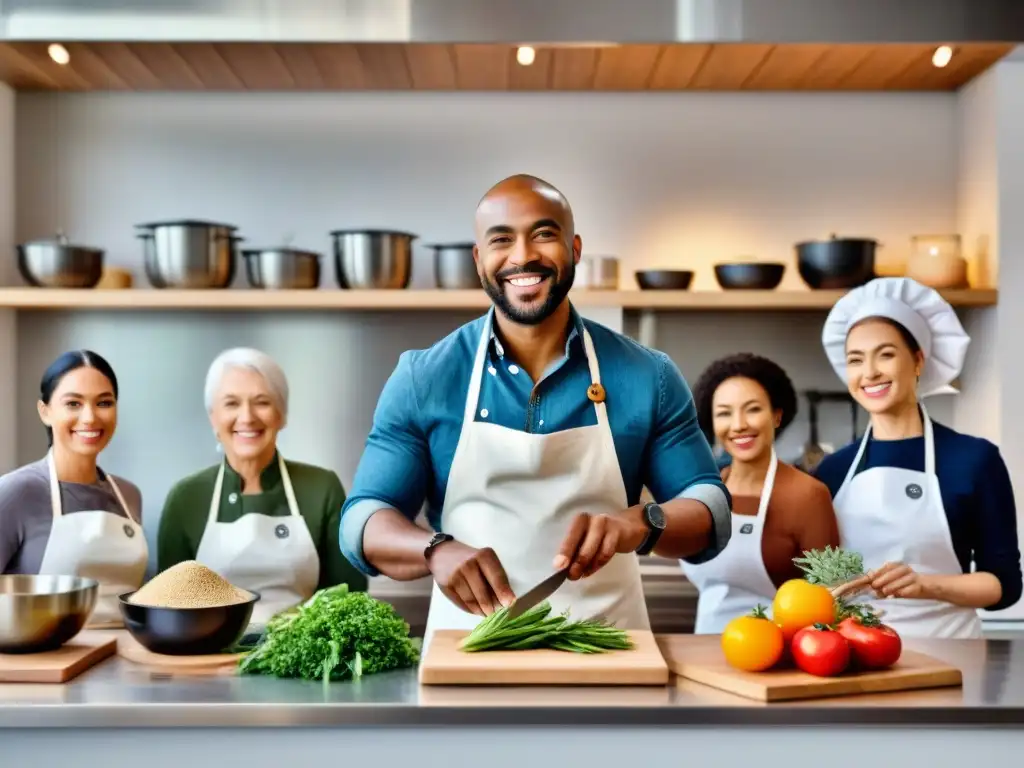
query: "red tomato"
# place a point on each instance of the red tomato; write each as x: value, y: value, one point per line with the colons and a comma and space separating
x: 873, y: 645
x: 821, y: 651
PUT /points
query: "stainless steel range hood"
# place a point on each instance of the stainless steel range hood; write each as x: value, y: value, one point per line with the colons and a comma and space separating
x: 515, y: 21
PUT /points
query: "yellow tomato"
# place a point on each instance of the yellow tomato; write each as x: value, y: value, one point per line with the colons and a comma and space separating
x: 752, y: 643
x: 800, y: 604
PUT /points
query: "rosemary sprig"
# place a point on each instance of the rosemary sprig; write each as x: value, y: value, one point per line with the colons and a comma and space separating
x: 830, y: 566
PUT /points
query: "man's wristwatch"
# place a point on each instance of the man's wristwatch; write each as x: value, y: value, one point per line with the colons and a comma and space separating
x: 654, y: 517
x: 437, y: 538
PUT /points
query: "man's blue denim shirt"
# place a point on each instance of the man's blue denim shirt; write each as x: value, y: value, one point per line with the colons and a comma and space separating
x: 419, y: 418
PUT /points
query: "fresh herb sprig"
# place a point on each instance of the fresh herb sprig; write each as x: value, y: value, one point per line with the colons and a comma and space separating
x: 537, y: 628
x: 833, y: 567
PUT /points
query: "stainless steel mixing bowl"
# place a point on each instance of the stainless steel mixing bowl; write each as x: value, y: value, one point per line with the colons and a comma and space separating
x: 41, y: 613
x: 59, y: 264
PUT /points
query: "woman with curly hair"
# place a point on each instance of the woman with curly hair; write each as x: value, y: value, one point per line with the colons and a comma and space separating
x: 779, y: 512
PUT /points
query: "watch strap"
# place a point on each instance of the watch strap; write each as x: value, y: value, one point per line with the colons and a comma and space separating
x: 435, y: 540
x: 653, y: 532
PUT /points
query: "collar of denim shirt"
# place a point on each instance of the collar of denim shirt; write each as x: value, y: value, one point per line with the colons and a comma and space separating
x: 573, y: 343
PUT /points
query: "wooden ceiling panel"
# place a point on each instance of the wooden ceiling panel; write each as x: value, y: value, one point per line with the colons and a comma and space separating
x: 301, y: 65
x: 440, y: 67
x: 574, y: 69
x: 626, y: 68
x: 677, y: 66
x: 727, y: 67
x: 166, y: 63
x: 884, y: 63
x: 537, y: 76
x: 431, y: 67
x: 256, y: 65
x: 784, y: 66
x: 482, y: 67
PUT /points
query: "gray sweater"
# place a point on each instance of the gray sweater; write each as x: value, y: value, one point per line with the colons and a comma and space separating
x: 26, y: 516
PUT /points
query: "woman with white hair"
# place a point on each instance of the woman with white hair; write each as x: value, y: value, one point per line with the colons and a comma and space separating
x: 263, y: 523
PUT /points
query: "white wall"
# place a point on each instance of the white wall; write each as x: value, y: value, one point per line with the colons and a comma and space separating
x: 680, y: 180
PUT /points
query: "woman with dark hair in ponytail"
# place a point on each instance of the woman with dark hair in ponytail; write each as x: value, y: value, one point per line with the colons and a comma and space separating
x: 62, y: 514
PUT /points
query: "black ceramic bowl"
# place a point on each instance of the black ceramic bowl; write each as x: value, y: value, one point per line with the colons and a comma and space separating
x: 186, y: 631
x: 838, y: 263
x: 761, y: 276
x: 664, y: 279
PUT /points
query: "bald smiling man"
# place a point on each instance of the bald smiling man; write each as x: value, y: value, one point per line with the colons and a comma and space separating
x: 530, y: 433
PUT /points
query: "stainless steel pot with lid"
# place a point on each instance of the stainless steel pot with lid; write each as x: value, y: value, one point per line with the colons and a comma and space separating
x: 189, y: 253
x: 57, y: 263
x: 372, y: 258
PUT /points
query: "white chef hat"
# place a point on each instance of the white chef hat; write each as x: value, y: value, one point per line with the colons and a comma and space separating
x: 921, y: 310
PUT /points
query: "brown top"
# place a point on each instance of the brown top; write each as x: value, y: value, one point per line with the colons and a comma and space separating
x: 800, y: 517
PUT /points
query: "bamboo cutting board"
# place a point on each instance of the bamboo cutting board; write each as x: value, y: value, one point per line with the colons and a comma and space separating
x: 191, y: 666
x: 80, y: 653
x: 700, y: 658
x: 445, y: 664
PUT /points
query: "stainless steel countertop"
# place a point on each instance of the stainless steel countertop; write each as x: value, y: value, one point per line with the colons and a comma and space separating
x: 118, y: 694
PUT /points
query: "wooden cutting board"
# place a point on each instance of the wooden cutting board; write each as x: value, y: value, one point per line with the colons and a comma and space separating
x: 198, y: 666
x: 83, y: 651
x: 700, y: 658
x: 445, y: 664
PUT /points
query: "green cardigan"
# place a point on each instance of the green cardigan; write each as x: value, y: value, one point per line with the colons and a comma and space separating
x: 319, y: 494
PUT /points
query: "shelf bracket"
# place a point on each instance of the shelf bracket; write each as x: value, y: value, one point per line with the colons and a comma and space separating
x: 648, y: 332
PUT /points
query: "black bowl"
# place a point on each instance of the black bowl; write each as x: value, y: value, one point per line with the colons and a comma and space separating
x: 762, y: 276
x: 839, y: 263
x: 186, y: 631
x: 664, y: 279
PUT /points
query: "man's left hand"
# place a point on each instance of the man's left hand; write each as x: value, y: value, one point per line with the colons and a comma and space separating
x: 594, y: 539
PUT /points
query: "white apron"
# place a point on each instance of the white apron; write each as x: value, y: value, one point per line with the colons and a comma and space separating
x: 274, y: 556
x: 96, y: 544
x: 518, y: 492
x: 896, y: 515
x: 735, y: 581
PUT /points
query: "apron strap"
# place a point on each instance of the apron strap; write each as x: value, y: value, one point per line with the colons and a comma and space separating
x: 929, y: 443
x: 286, y: 481
x: 289, y: 491
x: 55, y: 504
x: 768, y: 487
x: 595, y: 377
x: 855, y: 466
x: 476, y: 373
x: 218, y: 486
x: 120, y: 499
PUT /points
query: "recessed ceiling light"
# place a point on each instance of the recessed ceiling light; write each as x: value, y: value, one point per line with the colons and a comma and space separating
x: 942, y: 56
x: 526, y: 55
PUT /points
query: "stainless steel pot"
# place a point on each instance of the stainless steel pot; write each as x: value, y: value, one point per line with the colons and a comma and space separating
x: 58, y: 264
x: 598, y: 273
x: 282, y: 268
x: 189, y: 254
x: 372, y: 258
x: 41, y: 613
x: 454, y: 266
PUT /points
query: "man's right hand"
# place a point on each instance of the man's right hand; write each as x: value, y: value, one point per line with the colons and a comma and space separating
x: 471, y: 578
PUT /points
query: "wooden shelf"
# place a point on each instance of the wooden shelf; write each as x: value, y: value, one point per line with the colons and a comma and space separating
x: 40, y: 299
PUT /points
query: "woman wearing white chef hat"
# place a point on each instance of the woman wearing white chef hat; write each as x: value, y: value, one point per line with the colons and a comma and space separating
x: 920, y: 501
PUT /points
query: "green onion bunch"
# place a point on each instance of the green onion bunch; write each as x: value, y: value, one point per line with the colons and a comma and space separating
x: 537, y: 628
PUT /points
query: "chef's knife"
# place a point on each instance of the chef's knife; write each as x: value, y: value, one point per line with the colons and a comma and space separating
x: 538, y: 594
